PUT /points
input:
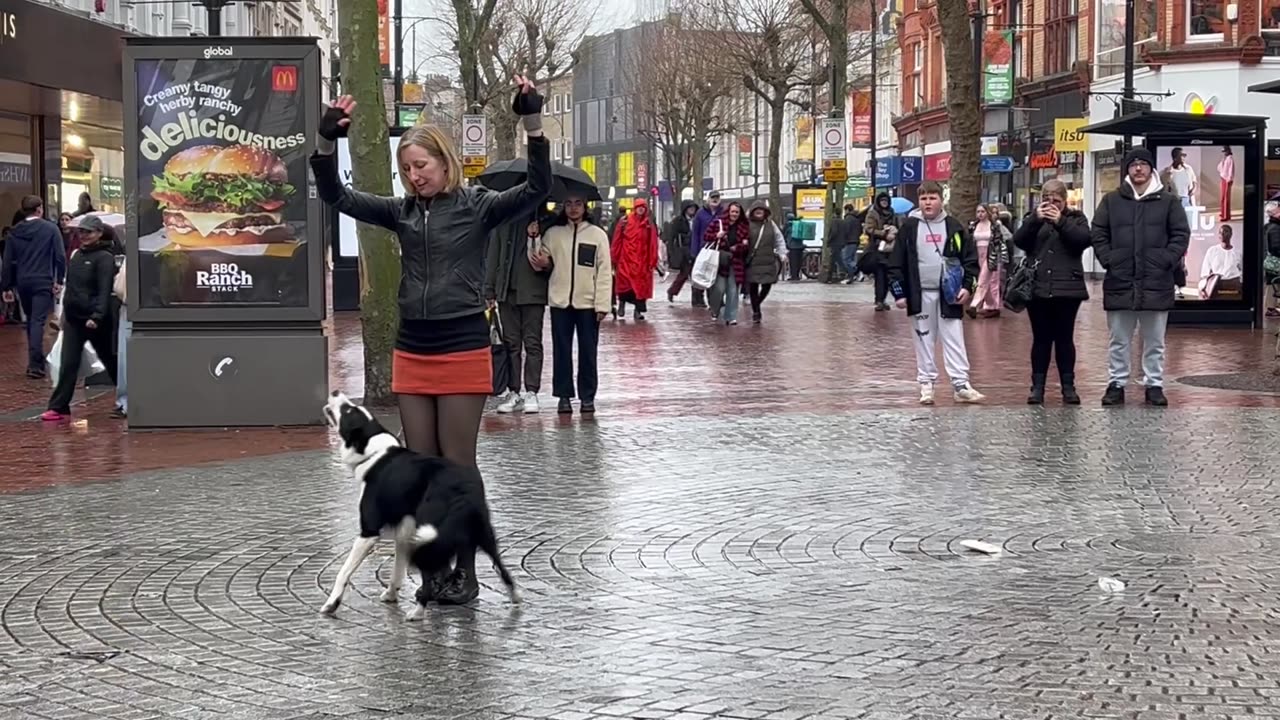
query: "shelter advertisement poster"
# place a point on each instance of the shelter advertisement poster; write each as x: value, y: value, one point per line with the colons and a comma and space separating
x: 811, y: 203
x: 221, y: 182
x: 1209, y: 179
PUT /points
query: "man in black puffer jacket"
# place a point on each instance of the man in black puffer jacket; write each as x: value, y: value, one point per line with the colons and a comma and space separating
x: 1140, y: 235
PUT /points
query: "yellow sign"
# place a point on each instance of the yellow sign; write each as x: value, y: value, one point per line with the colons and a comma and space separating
x: 804, y: 137
x: 470, y: 171
x: 475, y: 161
x: 835, y: 175
x: 811, y: 203
x: 1067, y: 136
x: 835, y: 165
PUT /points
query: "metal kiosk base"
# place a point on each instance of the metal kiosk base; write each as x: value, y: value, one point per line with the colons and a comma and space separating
x: 233, y: 377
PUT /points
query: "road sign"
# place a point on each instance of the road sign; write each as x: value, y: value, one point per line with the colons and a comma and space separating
x: 835, y: 176
x: 841, y: 164
x: 997, y: 164
x: 475, y: 136
x: 834, y: 143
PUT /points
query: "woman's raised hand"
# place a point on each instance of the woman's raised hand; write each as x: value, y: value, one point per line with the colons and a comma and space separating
x: 337, y: 118
x: 527, y: 100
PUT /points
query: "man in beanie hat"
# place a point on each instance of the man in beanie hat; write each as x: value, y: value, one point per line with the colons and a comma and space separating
x: 1140, y: 235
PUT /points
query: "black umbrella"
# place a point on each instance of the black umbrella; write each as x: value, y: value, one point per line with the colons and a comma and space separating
x: 568, y: 180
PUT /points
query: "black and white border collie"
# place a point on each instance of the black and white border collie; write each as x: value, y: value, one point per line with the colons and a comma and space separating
x: 433, y: 508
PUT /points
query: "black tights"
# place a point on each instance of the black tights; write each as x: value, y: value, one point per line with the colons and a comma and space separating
x: 1053, y: 328
x: 758, y: 292
x: 442, y: 425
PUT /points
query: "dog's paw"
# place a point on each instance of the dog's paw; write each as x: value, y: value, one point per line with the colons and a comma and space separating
x: 415, y: 614
x: 330, y: 606
x: 390, y: 595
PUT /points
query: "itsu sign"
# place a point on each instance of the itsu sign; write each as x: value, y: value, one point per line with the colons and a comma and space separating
x: 223, y: 277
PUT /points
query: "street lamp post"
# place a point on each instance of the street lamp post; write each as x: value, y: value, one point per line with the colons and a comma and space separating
x: 1129, y: 36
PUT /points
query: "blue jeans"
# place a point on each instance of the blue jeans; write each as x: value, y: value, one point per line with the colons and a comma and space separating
x: 848, y: 260
x: 122, y: 343
x: 37, y: 303
x: 726, y: 297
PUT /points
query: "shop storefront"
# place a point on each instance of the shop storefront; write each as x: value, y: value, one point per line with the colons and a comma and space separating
x: 60, y: 111
x: 1045, y: 159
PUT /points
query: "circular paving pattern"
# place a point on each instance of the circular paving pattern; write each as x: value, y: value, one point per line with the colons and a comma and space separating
x: 769, y: 567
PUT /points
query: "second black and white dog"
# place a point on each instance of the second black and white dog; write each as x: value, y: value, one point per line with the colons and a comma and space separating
x: 433, y: 508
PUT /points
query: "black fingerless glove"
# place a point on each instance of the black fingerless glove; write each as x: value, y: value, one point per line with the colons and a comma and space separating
x: 527, y: 103
x: 329, y: 128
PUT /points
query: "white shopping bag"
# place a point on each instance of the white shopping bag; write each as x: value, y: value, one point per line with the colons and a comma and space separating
x: 89, y: 362
x: 705, y: 268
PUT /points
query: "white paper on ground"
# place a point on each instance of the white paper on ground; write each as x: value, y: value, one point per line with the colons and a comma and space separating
x: 982, y: 547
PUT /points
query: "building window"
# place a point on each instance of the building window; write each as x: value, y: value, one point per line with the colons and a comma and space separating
x: 1061, y: 30
x: 588, y: 165
x: 559, y: 102
x: 568, y: 102
x: 915, y: 73
x: 626, y: 168
x: 1109, y: 42
x: 555, y: 151
x: 567, y: 151
x: 1206, y: 19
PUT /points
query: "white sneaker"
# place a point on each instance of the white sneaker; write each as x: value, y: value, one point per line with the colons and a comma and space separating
x: 966, y: 394
x: 531, y: 406
x: 926, y: 393
x: 510, y: 402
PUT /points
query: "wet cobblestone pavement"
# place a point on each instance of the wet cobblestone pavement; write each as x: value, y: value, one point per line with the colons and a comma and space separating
x: 759, y: 525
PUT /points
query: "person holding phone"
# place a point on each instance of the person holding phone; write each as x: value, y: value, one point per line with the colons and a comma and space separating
x: 442, y: 367
x: 1054, y: 237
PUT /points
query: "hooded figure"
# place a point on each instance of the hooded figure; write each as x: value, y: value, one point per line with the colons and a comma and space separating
x: 635, y: 257
x: 678, y: 235
x: 766, y: 256
x: 881, y: 227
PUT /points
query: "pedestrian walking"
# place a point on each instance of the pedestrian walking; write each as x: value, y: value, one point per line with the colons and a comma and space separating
x: 795, y: 247
x: 731, y: 235
x: 518, y: 289
x: 703, y: 220
x: 124, y: 329
x: 580, y: 293
x: 635, y: 259
x: 86, y: 315
x: 1271, y: 261
x: 1055, y: 237
x: 931, y: 245
x: 992, y: 238
x: 35, y: 264
x: 678, y: 236
x: 765, y: 258
x: 442, y: 366
x: 1140, y: 235
x: 881, y: 228
x: 842, y: 241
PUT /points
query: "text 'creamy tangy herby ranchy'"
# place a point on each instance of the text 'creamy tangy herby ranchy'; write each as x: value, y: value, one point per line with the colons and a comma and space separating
x: 221, y: 156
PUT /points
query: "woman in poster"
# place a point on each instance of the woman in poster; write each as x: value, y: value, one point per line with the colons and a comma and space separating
x: 1226, y: 176
x: 442, y: 364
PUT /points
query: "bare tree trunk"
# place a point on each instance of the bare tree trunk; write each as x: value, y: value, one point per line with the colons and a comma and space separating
x: 962, y: 109
x: 504, y: 129
x: 371, y: 172
x: 777, y: 117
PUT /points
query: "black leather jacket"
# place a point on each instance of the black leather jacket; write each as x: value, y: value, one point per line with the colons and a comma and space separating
x: 442, y: 240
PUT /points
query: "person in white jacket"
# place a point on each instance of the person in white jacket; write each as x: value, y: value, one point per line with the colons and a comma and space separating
x: 580, y: 294
x: 123, y: 331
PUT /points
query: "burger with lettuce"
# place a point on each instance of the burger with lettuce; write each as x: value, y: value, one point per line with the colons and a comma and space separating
x: 215, y: 196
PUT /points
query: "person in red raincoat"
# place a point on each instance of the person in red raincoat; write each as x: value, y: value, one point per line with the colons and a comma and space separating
x: 635, y: 258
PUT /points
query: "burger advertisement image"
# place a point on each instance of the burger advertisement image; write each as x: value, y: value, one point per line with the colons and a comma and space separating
x: 221, y: 196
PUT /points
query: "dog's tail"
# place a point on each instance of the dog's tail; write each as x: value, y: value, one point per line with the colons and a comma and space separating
x: 425, y: 534
x: 489, y: 544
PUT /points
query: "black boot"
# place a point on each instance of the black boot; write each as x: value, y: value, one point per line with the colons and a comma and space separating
x: 1114, y: 395
x: 1037, y: 390
x: 462, y: 588
x: 1155, y: 396
x: 1069, y: 394
x: 431, y: 588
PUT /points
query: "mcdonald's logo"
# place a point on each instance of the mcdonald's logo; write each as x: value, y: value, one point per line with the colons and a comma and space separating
x: 284, y: 78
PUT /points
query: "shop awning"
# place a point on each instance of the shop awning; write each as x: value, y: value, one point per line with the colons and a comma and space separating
x: 1160, y: 122
x: 1266, y: 87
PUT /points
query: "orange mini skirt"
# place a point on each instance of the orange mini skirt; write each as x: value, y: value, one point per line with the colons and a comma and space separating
x: 468, y: 372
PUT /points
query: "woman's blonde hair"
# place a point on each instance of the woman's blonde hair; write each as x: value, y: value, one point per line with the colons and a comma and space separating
x: 439, y: 146
x: 1054, y: 187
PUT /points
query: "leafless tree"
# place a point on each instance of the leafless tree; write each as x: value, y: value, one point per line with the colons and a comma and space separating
x: 681, y: 92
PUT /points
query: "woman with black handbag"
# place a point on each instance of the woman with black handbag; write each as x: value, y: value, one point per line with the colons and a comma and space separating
x: 1054, y: 238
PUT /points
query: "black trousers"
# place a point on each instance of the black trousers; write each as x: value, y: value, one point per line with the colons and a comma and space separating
x: 795, y: 258
x: 1053, y: 329
x: 37, y: 303
x: 881, y: 273
x: 565, y: 323
x: 522, y: 334
x: 74, y: 336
